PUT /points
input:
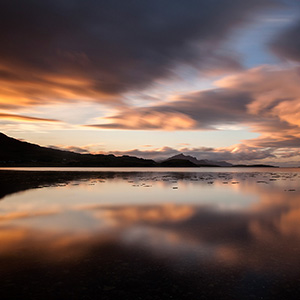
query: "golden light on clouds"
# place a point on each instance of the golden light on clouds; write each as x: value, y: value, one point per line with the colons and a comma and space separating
x: 158, y: 214
x: 18, y: 118
x: 154, y: 78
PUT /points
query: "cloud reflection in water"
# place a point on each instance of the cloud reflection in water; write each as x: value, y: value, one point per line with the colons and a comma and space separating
x: 254, y: 243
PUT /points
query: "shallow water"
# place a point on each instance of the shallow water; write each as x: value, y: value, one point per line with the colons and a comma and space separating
x: 150, y: 234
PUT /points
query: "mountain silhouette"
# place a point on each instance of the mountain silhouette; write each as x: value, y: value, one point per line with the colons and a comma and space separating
x: 202, y: 162
x: 16, y: 153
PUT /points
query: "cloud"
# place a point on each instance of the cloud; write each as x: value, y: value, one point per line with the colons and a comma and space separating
x: 43, y: 88
x: 156, y: 153
x: 89, y: 50
x: 265, y: 99
x: 163, y: 120
x: 287, y: 44
x: 147, y: 214
x: 76, y: 149
x: 202, y: 110
x: 86, y: 149
x: 25, y: 215
x: 239, y: 153
x: 18, y: 118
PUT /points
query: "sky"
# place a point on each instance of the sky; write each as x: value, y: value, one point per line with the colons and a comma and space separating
x: 215, y: 79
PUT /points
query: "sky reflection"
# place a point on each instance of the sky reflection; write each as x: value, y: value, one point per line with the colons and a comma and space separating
x: 242, y: 223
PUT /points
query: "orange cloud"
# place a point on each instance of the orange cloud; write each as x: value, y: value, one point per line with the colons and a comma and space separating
x: 18, y: 118
x: 150, y: 120
x: 155, y: 214
x: 85, y: 55
x: 275, y: 92
x: 25, y: 215
x: 264, y: 99
x: 18, y: 89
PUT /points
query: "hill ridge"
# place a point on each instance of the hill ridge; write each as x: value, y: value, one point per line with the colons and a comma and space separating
x: 17, y: 153
x: 202, y: 162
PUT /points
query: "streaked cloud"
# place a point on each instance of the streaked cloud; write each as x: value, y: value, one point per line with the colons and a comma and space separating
x: 56, y: 57
x: 90, y: 148
x: 286, y: 45
x: 20, y: 215
x: 53, y: 51
x: 265, y: 99
x: 17, y: 118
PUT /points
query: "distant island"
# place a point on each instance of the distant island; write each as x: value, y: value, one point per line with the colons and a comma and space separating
x: 15, y: 153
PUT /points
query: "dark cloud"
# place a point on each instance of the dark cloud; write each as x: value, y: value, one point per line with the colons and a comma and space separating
x: 112, y: 46
x: 264, y: 99
x: 287, y: 43
x: 200, y: 110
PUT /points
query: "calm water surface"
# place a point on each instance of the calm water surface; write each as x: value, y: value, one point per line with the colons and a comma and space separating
x: 216, y: 233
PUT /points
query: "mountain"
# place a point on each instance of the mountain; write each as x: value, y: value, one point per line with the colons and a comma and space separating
x: 18, y: 153
x: 178, y: 163
x: 200, y: 163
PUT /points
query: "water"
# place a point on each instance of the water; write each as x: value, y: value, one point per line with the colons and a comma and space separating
x: 216, y: 233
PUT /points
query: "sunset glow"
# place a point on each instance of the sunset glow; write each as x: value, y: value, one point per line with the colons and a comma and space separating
x: 212, y: 79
